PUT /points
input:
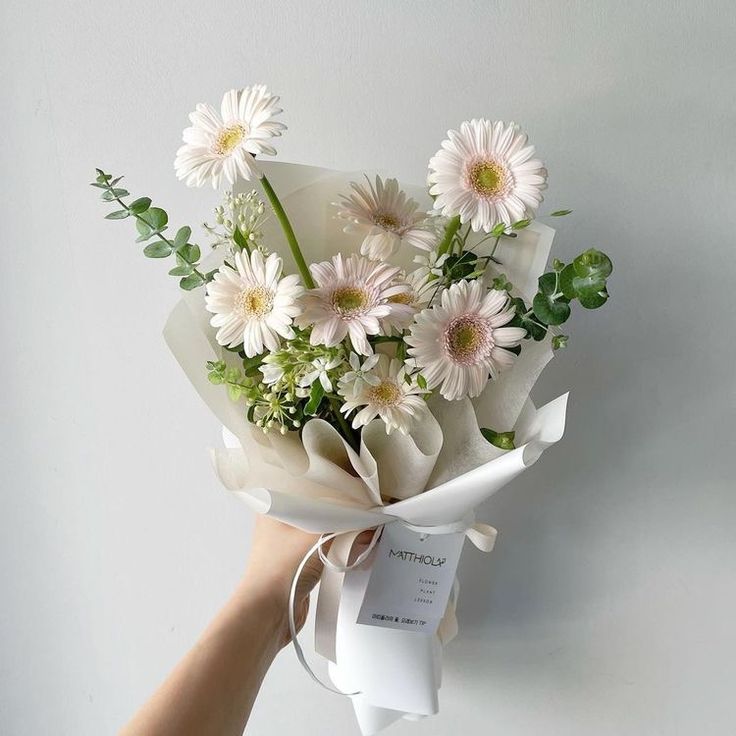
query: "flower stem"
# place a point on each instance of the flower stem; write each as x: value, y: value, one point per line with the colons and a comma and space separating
x: 452, y: 227
x: 280, y: 213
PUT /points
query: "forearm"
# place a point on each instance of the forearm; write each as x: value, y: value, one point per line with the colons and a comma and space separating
x: 212, y: 690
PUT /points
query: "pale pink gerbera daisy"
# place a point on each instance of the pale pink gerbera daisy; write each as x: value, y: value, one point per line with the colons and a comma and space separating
x: 392, y: 394
x: 387, y: 218
x: 351, y: 296
x: 222, y: 144
x: 251, y: 304
x: 460, y: 342
x: 487, y: 174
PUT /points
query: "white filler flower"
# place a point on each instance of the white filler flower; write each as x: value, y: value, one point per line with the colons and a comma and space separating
x: 458, y: 343
x: 223, y: 144
x: 487, y: 174
x: 387, y: 218
x: 351, y: 296
x: 393, y: 398
x: 252, y: 304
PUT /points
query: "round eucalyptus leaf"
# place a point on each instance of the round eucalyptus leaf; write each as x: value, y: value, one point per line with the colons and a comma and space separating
x: 157, y: 250
x: 550, y: 311
x: 593, y: 301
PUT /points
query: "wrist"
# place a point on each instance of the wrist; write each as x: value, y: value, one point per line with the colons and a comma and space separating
x: 270, y: 599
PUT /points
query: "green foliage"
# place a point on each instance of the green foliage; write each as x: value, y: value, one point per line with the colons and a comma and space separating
x: 584, y: 280
x: 502, y: 440
x: 316, y: 395
x: 550, y: 306
x: 151, y: 222
x: 560, y: 213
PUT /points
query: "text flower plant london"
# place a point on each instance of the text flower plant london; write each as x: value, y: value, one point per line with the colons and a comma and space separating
x: 369, y: 349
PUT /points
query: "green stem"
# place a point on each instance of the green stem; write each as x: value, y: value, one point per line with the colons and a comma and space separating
x: 452, y: 227
x: 280, y: 213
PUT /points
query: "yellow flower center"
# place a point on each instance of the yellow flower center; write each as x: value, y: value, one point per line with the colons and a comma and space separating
x: 488, y: 178
x: 468, y: 339
x: 229, y: 138
x: 386, y: 393
x: 404, y: 297
x: 256, y: 301
x: 386, y: 221
x: 349, y: 299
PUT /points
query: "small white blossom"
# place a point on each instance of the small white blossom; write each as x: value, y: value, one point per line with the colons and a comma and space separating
x: 353, y: 380
x: 322, y: 367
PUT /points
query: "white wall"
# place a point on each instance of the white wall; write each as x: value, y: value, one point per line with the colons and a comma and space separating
x: 608, y: 605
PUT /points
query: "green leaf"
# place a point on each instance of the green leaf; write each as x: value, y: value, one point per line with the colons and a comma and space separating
x: 159, y: 249
x: 499, y: 230
x: 593, y: 263
x: 593, y: 301
x: 502, y: 440
x: 559, y: 342
x: 191, y: 282
x: 315, y: 398
x: 521, y: 224
x: 586, y: 276
x: 121, y: 192
x: 107, y: 196
x: 421, y: 381
x: 240, y: 240
x: 560, y: 213
x: 182, y: 236
x: 189, y: 252
x: 144, y: 229
x: 184, y: 270
x: 549, y: 307
x: 117, y: 215
x: 550, y: 311
x: 234, y: 391
x: 140, y: 205
x: 156, y: 218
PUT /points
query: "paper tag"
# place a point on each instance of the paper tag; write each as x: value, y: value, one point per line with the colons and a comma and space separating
x: 411, y: 579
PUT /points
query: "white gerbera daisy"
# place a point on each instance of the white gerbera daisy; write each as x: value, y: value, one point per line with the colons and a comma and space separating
x: 387, y: 218
x: 395, y: 396
x: 422, y: 287
x: 252, y: 304
x: 351, y: 296
x: 486, y: 173
x: 223, y: 144
x: 459, y: 342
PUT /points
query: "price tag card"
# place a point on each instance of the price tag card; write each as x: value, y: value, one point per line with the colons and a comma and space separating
x: 411, y: 579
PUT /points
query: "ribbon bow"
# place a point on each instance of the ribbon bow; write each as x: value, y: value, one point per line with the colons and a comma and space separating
x: 336, y: 564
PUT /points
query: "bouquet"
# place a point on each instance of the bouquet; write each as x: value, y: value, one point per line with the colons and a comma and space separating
x: 370, y: 349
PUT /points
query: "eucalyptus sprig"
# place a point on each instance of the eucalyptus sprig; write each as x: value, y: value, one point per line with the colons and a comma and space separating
x: 151, y: 222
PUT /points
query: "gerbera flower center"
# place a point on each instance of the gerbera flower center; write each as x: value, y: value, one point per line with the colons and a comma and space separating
x: 387, y: 221
x: 386, y: 393
x: 404, y: 297
x: 349, y: 299
x: 229, y: 138
x: 255, y: 301
x: 468, y: 339
x: 488, y: 178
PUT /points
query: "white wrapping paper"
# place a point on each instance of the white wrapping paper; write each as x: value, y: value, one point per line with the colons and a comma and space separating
x: 440, y: 472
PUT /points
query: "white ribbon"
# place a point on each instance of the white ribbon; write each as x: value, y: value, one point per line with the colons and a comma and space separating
x: 482, y: 536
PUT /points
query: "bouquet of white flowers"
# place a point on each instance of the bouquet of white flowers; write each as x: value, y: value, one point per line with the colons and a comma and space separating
x: 384, y: 386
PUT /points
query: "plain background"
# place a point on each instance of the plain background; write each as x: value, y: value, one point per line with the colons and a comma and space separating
x: 608, y: 605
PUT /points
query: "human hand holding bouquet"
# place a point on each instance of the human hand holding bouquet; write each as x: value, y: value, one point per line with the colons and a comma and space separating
x: 386, y: 384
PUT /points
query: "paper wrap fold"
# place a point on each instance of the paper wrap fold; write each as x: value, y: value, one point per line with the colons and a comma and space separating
x: 440, y: 472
